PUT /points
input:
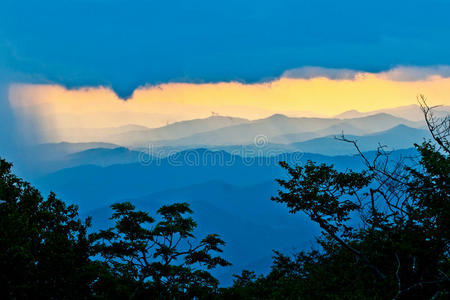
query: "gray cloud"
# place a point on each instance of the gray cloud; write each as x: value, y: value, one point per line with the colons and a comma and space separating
x: 313, y: 72
x: 400, y: 73
x: 413, y: 73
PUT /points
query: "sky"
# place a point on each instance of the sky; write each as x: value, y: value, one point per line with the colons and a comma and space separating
x: 226, y: 49
x: 155, y: 106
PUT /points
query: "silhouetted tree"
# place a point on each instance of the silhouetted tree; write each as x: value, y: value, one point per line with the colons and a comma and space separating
x: 44, y: 249
x: 45, y: 252
x: 162, y: 259
x: 385, y: 230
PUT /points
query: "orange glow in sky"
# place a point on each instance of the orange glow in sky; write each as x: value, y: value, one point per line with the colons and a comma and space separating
x: 153, y: 106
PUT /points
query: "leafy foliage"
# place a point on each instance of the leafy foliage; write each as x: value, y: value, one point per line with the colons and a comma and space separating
x: 385, y: 230
x: 44, y: 249
x: 161, y: 258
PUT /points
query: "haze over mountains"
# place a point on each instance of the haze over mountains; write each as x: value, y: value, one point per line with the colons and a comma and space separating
x: 410, y: 112
x: 222, y: 207
x: 227, y: 193
x: 199, y: 131
x: 218, y: 130
x: 224, y: 167
x: 296, y: 129
x: 268, y: 137
x: 131, y: 134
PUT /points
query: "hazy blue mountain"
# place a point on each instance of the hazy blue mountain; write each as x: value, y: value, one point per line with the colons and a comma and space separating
x: 77, y: 134
x: 219, y: 130
x: 410, y: 112
x: 380, y: 122
x: 294, y: 137
x: 55, y: 150
x: 241, y: 212
x: 345, y: 127
x: 399, y: 137
x: 246, y: 218
x: 279, y: 125
x: 103, y: 157
x: 47, y: 158
x: 36, y: 160
x: 93, y: 186
x: 52, y: 157
x: 353, y: 113
x: 246, y: 133
x: 304, y: 136
x: 173, y: 131
x: 105, y: 184
x: 229, y: 194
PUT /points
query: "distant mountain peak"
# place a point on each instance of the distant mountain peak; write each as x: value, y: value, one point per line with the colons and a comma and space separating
x: 381, y: 115
x: 220, y: 117
x: 400, y: 128
x: 410, y: 112
x: 278, y: 117
x: 353, y: 113
x: 131, y: 127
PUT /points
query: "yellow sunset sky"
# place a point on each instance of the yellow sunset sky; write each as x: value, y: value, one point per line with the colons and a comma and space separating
x: 55, y: 106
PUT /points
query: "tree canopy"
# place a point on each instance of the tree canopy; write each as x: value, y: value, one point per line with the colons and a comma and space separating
x: 161, y: 260
x: 45, y: 251
x: 44, y: 248
x: 385, y: 230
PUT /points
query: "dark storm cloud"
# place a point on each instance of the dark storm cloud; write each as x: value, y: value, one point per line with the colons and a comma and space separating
x: 125, y: 44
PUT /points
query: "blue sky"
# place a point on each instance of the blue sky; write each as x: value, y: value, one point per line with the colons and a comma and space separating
x: 126, y: 44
